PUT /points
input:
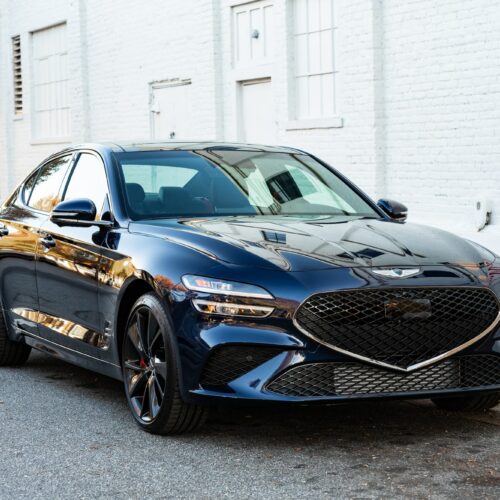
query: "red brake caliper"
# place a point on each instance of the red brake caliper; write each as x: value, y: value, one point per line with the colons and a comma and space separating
x: 142, y: 363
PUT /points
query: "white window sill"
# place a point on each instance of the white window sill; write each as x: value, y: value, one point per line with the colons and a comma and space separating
x: 315, y: 123
x: 55, y: 140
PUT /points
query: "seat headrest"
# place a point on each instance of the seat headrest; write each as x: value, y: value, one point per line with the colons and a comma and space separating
x: 174, y: 196
x: 135, y: 193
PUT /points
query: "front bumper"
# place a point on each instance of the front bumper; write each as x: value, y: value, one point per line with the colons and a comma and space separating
x: 272, y: 360
x: 302, y: 372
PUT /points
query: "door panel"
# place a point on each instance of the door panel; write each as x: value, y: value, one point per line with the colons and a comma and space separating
x: 171, y: 112
x: 18, y: 291
x: 257, y: 117
x: 67, y: 277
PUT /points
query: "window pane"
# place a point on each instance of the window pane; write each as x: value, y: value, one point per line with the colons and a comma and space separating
x: 314, y: 53
x: 326, y: 51
x: 45, y: 194
x: 300, y: 16
x: 88, y: 180
x: 301, y: 57
x: 302, y: 91
x: 328, y: 95
x: 313, y: 15
x: 315, y: 96
x: 326, y: 14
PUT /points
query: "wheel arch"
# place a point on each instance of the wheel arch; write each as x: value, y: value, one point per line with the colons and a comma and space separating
x: 129, y: 294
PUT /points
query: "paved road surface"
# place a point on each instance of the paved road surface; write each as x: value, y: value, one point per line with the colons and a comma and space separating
x: 66, y: 433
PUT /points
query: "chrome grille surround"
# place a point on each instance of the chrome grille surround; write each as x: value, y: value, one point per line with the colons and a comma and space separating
x: 360, y: 329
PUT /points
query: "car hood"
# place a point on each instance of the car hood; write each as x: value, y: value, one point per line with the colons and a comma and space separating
x: 300, y: 244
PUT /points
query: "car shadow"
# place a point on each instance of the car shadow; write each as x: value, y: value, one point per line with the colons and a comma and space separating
x: 347, y: 426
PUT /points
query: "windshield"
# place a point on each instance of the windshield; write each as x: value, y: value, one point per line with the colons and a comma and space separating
x: 225, y: 182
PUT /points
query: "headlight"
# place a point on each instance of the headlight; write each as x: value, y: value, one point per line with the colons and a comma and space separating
x: 223, y: 287
x: 229, y: 289
x: 229, y: 309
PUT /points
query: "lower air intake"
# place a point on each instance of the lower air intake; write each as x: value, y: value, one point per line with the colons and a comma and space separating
x: 345, y: 379
x: 230, y: 362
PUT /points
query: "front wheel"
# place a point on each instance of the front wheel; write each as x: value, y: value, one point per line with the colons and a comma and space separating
x: 151, y: 371
x: 470, y: 402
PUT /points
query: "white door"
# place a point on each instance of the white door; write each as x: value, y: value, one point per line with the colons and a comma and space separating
x: 171, y: 112
x: 257, y: 123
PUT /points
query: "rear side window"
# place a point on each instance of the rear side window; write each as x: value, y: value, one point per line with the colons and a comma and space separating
x: 88, y: 180
x: 45, y: 194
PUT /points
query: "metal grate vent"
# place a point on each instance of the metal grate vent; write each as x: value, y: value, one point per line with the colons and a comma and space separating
x: 400, y: 327
x: 346, y: 379
x: 230, y: 362
x: 18, y: 75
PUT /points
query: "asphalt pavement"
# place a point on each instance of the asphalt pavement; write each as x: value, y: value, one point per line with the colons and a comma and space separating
x: 67, y: 433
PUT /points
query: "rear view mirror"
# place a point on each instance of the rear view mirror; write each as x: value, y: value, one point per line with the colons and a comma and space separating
x: 79, y: 212
x: 393, y: 209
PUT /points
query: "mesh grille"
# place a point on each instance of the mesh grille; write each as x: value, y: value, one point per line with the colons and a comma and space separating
x: 399, y: 326
x: 343, y: 379
x: 230, y: 362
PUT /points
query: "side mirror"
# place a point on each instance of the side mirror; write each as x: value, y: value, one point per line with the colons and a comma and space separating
x: 78, y: 212
x: 393, y: 209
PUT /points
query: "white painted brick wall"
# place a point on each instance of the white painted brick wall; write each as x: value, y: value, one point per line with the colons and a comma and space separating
x: 417, y: 88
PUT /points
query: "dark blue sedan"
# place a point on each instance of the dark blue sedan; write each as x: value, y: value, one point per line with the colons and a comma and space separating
x: 206, y: 272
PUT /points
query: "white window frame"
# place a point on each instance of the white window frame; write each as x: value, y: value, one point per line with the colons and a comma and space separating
x: 305, y: 123
x: 36, y: 135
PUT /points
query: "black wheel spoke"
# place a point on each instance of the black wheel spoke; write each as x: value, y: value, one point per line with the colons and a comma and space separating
x: 154, y: 333
x: 134, y: 365
x: 161, y: 370
x: 135, y: 339
x: 145, y: 402
x: 154, y: 405
x: 142, y: 327
x: 136, y: 384
x: 160, y: 390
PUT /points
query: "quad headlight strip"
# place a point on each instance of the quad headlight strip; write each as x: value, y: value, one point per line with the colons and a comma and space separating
x: 229, y: 289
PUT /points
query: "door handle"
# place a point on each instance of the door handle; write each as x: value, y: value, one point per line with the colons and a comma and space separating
x: 48, y: 242
x: 3, y: 231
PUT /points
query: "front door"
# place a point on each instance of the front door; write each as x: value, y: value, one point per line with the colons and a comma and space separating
x: 68, y: 268
x: 257, y: 124
x: 171, y: 111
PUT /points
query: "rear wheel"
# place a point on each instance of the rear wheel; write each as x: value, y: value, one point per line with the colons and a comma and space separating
x: 11, y: 353
x: 151, y: 371
x: 471, y: 402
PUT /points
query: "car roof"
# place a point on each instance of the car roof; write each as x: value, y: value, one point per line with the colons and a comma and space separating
x: 135, y: 146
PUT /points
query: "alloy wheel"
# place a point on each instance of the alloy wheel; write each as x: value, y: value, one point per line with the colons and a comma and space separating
x: 144, y: 362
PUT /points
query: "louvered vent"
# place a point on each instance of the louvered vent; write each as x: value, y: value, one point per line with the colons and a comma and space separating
x: 18, y: 76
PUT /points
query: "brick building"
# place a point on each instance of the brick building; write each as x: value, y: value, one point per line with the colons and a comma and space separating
x: 403, y: 96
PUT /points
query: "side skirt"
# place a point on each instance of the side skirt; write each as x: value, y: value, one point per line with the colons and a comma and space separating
x: 73, y: 357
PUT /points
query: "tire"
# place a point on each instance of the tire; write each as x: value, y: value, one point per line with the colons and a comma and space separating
x: 150, y: 369
x: 472, y: 402
x: 11, y: 353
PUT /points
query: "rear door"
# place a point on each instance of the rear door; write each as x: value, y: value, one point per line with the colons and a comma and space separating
x: 68, y: 267
x: 20, y: 220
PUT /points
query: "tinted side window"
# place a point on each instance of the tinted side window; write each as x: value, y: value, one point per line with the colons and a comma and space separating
x: 45, y: 193
x: 88, y: 180
x: 28, y: 186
